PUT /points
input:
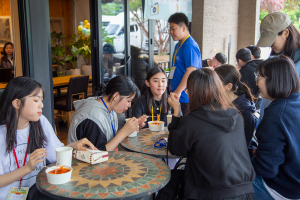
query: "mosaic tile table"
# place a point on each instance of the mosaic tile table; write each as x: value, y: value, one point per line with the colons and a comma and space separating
x: 144, y: 143
x: 125, y: 175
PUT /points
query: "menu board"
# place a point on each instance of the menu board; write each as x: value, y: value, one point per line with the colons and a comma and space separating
x: 163, y: 9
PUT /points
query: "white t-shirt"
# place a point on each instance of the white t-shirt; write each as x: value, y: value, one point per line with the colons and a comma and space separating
x: 8, y: 163
x: 274, y: 194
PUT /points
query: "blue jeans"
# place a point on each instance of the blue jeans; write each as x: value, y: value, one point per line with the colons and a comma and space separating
x: 260, y: 191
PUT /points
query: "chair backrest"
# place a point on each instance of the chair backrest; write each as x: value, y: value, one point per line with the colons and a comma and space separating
x: 77, y: 85
x: 1, y: 92
x: 5, y: 74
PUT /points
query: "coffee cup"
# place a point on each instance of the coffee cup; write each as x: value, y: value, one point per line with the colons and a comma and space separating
x: 64, y: 156
x: 134, y: 133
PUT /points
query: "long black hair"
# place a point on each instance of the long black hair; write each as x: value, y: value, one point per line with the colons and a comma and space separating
x: 230, y: 74
x: 4, y: 53
x: 292, y: 42
x: 121, y: 84
x: 20, y: 88
x: 149, y: 96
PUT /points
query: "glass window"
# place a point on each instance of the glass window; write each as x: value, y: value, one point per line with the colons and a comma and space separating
x: 139, y: 44
x: 132, y: 28
x: 112, y: 29
x: 113, y: 39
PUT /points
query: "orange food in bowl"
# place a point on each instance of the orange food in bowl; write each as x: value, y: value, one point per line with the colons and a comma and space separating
x: 60, y: 170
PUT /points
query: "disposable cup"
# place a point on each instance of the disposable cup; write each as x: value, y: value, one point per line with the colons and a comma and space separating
x: 134, y: 133
x: 64, y: 156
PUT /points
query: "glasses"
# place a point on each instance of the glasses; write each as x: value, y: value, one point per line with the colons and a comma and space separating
x: 161, y: 143
x: 257, y: 78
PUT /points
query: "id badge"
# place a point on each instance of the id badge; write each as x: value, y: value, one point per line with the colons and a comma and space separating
x: 18, y: 194
x: 172, y: 72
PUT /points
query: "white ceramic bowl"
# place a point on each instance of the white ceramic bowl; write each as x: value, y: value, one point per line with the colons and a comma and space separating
x: 57, y: 179
x: 153, y: 127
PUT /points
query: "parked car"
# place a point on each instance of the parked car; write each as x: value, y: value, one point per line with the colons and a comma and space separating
x: 116, y: 29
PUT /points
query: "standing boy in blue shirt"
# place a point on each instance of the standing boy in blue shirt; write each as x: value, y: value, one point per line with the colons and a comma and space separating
x: 186, y: 57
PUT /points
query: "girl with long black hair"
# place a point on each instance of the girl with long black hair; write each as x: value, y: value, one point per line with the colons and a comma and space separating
x: 240, y: 95
x: 154, y: 102
x: 96, y: 117
x: 26, y: 136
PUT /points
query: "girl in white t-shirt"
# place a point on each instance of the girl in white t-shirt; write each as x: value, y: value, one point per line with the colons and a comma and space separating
x: 25, y: 131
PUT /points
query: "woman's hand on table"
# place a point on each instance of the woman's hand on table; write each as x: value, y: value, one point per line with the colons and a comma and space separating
x: 173, y: 100
x: 131, y: 126
x: 80, y: 145
x: 142, y: 119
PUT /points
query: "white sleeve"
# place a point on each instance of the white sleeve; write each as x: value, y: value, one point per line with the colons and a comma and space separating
x: 1, y: 169
x: 53, y: 142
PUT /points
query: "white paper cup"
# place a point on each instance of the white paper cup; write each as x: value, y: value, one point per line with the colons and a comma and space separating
x: 64, y: 156
x: 134, y: 133
x: 57, y: 179
x: 169, y: 119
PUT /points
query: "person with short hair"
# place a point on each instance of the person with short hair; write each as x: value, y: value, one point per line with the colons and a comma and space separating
x: 255, y: 51
x: 247, y: 69
x: 277, y: 158
x: 186, y: 57
x: 217, y: 60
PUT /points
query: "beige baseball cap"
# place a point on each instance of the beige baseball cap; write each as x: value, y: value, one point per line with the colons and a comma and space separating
x: 270, y: 26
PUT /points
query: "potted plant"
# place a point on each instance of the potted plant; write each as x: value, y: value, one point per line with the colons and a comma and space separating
x: 58, y: 52
x: 72, y: 57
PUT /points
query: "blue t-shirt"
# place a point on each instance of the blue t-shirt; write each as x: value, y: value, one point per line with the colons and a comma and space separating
x: 188, y: 55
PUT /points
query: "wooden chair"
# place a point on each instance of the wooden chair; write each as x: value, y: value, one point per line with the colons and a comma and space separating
x: 77, y: 86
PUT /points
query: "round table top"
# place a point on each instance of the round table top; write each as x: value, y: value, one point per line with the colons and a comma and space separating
x: 144, y: 143
x: 125, y: 175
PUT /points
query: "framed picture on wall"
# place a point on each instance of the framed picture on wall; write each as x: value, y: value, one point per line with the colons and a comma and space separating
x: 6, y: 30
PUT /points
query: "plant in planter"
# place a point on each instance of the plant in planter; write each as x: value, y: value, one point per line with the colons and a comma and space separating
x: 58, y: 52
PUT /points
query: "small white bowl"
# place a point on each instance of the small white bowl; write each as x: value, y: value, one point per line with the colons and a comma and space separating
x: 153, y: 127
x: 57, y: 179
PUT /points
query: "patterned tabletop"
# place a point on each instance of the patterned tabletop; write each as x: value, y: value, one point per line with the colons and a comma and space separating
x: 125, y: 175
x: 144, y: 143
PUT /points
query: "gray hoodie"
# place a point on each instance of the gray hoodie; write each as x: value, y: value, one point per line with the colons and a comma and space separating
x: 91, y: 109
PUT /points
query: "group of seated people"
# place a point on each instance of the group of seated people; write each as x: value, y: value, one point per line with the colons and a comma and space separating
x: 214, y: 135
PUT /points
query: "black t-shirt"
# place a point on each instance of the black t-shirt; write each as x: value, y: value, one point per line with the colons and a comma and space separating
x: 90, y: 130
x: 204, y: 63
x: 140, y: 108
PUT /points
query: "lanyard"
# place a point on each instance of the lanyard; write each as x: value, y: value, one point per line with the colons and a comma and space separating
x: 24, y: 158
x: 153, y: 112
x: 111, y: 121
x: 178, y: 47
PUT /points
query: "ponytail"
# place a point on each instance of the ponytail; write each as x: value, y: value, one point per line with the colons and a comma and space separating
x: 242, y: 88
x: 121, y: 84
x: 230, y: 74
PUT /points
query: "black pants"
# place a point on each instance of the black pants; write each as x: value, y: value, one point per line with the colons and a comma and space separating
x: 172, y: 189
x: 184, y: 108
x: 35, y: 194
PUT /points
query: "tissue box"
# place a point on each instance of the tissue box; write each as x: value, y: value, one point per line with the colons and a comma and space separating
x: 91, y: 156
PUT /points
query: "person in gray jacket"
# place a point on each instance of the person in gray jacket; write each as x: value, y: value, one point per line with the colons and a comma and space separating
x: 96, y: 119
